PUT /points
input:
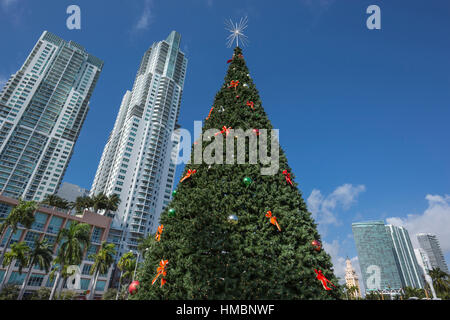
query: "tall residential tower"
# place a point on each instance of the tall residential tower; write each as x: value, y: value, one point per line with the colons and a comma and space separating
x: 135, y: 163
x: 378, y: 264
x: 410, y: 271
x: 430, y: 244
x: 42, y: 109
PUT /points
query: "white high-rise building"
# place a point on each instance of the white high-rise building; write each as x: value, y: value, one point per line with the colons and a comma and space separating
x: 430, y: 245
x: 42, y: 110
x: 135, y: 163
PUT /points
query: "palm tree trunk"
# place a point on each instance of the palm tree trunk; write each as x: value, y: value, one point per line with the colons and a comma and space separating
x: 118, y: 289
x: 6, y: 246
x: 52, y: 294
x: 61, y: 285
x: 5, y: 276
x: 25, y: 282
x: 92, y: 293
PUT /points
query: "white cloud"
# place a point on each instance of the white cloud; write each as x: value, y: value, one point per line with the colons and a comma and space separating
x: 435, y: 219
x: 322, y: 208
x: 146, y: 17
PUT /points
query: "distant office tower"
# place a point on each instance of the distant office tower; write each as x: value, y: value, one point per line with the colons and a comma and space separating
x: 410, y: 272
x: 71, y: 192
x: 135, y: 163
x: 42, y: 109
x: 430, y: 244
x: 351, y: 278
x: 376, y: 256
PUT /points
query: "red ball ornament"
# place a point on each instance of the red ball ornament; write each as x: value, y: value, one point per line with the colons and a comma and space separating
x: 316, y: 245
x: 133, y: 288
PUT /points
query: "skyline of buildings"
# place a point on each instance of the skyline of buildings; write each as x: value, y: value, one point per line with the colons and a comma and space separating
x: 135, y: 163
x: 42, y: 109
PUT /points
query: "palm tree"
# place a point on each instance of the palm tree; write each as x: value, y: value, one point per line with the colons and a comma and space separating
x: 75, y: 241
x: 409, y: 292
x: 352, y: 292
x: 83, y: 203
x: 100, y: 202
x: 440, y: 280
x: 42, y: 255
x: 112, y: 203
x: 22, y: 213
x: 55, y: 201
x: 17, y: 253
x: 127, y: 265
x: 102, y: 261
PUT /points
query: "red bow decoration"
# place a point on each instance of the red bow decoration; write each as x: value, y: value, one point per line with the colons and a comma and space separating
x: 256, y: 131
x: 229, y: 60
x: 210, y: 113
x: 188, y: 174
x: 234, y: 84
x: 251, y: 104
x: 159, y: 232
x: 287, y: 175
x: 273, y: 219
x: 324, y: 280
x: 241, y: 56
x: 224, y: 129
x: 161, y: 270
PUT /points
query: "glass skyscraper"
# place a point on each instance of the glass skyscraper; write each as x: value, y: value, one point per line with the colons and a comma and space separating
x: 376, y: 256
x: 135, y: 163
x: 410, y: 272
x: 42, y: 109
x: 430, y: 244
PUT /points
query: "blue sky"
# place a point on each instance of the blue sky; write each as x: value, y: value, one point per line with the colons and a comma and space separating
x: 363, y: 114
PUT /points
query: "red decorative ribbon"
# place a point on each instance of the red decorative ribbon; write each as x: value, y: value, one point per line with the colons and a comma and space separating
x: 159, y: 232
x: 224, y: 129
x: 324, y: 280
x: 161, y: 270
x: 256, y: 131
x: 287, y: 175
x: 229, y: 60
x: 234, y: 84
x: 273, y: 219
x: 210, y: 113
x: 188, y: 174
x: 251, y: 104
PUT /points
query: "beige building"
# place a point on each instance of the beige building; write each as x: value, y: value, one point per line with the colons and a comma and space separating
x: 351, y: 279
x: 48, y: 222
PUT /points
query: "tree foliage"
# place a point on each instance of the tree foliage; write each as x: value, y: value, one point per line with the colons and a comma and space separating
x: 213, y: 257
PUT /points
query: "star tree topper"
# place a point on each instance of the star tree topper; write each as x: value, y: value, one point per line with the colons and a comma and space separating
x: 237, y: 32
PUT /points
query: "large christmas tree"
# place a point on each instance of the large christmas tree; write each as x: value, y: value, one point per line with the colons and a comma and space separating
x: 230, y: 231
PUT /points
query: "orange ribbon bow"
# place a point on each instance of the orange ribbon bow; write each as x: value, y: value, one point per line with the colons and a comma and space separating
x: 161, y: 270
x: 188, y: 174
x: 224, y: 129
x: 324, y: 280
x: 234, y: 84
x: 288, y: 177
x: 273, y: 219
x: 159, y: 232
x: 251, y: 104
x: 209, y: 115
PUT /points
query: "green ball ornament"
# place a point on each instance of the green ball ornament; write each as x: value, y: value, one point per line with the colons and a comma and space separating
x: 247, y: 181
x: 172, y: 212
x: 174, y: 193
